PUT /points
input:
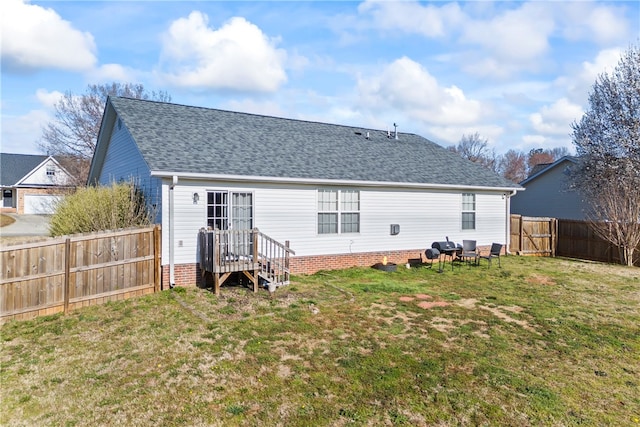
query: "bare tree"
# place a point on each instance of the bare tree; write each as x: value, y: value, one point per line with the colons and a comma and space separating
x: 538, y: 156
x: 607, y: 140
x: 73, y: 134
x: 616, y: 216
x: 513, y: 166
x: 475, y: 148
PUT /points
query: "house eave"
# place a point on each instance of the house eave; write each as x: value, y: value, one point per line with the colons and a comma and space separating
x: 318, y: 181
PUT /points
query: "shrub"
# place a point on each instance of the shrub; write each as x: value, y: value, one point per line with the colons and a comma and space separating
x: 100, y: 208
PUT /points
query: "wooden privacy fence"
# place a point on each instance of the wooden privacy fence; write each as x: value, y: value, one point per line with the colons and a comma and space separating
x: 533, y: 236
x: 576, y: 239
x: 75, y: 271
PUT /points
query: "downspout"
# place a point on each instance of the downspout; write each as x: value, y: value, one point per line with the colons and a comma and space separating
x: 507, y: 214
x: 172, y: 272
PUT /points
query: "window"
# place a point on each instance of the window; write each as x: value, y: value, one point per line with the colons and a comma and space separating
x: 350, y: 212
x: 51, y: 171
x: 327, y: 211
x: 338, y: 210
x: 218, y: 210
x: 468, y: 211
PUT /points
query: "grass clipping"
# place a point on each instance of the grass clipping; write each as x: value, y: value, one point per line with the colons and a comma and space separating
x: 92, y: 209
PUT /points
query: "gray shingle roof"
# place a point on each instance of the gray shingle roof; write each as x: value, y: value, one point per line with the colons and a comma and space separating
x: 14, y: 167
x: 184, y: 139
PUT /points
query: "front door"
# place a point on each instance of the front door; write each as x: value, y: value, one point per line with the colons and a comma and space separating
x: 7, y: 198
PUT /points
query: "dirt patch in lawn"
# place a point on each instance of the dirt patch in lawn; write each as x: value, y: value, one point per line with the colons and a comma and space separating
x: 430, y: 304
x: 499, y: 312
x: 537, y: 279
x: 445, y: 325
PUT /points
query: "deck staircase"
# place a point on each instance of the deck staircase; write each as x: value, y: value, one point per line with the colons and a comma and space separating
x: 262, y: 259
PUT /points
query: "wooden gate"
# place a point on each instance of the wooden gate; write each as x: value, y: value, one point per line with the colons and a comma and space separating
x: 533, y: 236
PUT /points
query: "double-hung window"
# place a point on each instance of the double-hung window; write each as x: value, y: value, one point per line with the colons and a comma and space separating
x: 350, y: 211
x: 338, y: 211
x: 468, y: 211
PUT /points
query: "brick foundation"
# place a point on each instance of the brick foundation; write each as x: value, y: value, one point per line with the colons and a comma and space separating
x: 313, y: 264
x: 190, y: 274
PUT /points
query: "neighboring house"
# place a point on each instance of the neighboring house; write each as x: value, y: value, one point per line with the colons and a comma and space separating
x: 548, y: 193
x: 334, y: 192
x: 31, y: 184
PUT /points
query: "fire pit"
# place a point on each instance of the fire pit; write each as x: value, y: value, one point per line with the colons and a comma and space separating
x: 385, y: 266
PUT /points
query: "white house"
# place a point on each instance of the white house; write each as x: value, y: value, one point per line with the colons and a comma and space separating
x: 341, y: 195
x: 31, y: 183
x: 549, y: 193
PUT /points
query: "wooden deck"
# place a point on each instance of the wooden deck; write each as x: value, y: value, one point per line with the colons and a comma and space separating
x: 263, y: 260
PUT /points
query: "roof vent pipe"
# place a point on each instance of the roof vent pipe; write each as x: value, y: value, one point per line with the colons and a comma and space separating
x: 395, y: 131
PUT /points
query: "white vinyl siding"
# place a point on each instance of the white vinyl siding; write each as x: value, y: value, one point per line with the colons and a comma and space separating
x: 290, y: 213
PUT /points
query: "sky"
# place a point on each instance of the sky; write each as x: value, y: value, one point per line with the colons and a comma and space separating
x: 517, y: 73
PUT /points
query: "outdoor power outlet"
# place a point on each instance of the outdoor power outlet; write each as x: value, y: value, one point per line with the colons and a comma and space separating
x: 395, y: 229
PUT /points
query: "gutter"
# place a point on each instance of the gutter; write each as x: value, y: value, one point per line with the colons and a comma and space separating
x: 360, y: 183
x: 172, y: 272
x: 507, y: 214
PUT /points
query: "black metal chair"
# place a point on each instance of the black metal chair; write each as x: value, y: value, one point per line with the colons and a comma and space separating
x: 496, y: 249
x: 469, y: 252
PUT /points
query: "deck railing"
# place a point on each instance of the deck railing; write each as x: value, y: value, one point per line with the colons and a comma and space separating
x: 248, y: 250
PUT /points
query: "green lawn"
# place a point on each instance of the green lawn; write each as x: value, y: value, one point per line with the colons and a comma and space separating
x: 537, y: 342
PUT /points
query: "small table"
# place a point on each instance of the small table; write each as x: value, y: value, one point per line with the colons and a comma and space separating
x: 447, y: 252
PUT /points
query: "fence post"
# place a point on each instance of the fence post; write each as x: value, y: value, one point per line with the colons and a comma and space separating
x: 286, y: 255
x: 554, y: 236
x: 67, y: 274
x: 156, y: 258
x: 521, y: 232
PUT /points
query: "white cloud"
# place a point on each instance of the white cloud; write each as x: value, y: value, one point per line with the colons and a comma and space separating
x: 34, y: 37
x: 556, y: 119
x: 515, y: 35
x: 265, y: 108
x: 48, y: 99
x: 237, y: 56
x: 411, y: 17
x: 20, y: 134
x: 451, y: 135
x: 108, y: 73
x: 579, y: 83
x: 604, y: 24
x: 406, y: 86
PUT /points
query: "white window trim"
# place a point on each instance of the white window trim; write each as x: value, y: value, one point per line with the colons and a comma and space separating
x: 338, y: 211
x: 230, y: 194
x: 474, y: 211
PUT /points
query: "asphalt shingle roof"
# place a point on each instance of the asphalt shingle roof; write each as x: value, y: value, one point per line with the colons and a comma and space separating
x: 185, y: 139
x: 14, y: 167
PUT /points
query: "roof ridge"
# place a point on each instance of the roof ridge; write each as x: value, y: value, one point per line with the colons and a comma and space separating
x: 243, y: 113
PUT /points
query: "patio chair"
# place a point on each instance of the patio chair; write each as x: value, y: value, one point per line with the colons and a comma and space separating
x: 496, y: 249
x: 469, y: 252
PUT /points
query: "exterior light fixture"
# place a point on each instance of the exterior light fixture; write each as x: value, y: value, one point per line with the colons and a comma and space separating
x: 196, y: 197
